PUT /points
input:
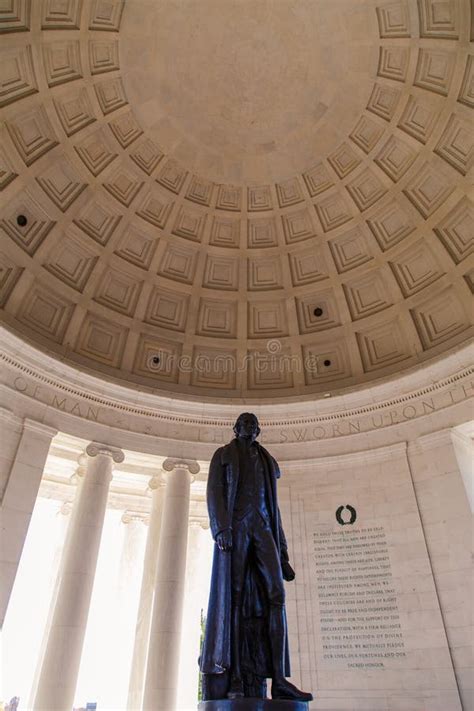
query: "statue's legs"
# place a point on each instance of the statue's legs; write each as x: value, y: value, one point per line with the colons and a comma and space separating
x: 240, y: 546
x: 253, y: 532
x: 277, y: 634
x: 236, y: 689
x: 269, y: 566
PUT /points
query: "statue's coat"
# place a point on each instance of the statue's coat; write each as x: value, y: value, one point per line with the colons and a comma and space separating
x: 221, y: 491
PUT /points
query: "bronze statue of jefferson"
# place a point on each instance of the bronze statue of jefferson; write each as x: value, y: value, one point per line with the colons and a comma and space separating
x: 245, y: 641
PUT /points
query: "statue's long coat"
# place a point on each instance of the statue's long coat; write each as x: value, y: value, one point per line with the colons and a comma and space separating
x: 221, y: 491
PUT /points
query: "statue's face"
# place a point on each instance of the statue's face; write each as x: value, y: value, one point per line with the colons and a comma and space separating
x: 247, y: 427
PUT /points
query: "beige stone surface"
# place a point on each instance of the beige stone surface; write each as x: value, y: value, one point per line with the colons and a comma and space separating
x: 246, y: 91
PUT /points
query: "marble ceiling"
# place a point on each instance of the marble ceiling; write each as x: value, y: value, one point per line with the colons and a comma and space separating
x: 239, y: 199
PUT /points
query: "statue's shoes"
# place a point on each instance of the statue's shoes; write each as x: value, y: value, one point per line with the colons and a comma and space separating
x: 284, y: 690
x: 236, y: 690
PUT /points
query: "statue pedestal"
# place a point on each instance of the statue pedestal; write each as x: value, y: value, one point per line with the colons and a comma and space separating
x: 253, y: 705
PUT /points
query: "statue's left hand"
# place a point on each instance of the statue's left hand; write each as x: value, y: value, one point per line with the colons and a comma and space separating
x: 224, y: 539
x: 287, y: 571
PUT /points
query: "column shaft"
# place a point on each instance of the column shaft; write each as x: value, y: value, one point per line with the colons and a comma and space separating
x: 20, y: 492
x: 145, y: 605
x: 163, y: 654
x: 65, y: 514
x: 191, y: 632
x: 58, y: 677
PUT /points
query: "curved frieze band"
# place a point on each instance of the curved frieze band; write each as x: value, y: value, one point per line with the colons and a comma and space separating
x: 75, y: 396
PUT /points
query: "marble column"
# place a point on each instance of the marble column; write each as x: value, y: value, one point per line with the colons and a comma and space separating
x: 20, y: 492
x: 195, y: 601
x: 58, y: 676
x: 64, y: 517
x: 135, y: 523
x: 165, y: 635
x: 156, y: 486
x: 123, y: 607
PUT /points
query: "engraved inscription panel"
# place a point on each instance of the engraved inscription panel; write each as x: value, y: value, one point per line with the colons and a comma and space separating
x: 360, y: 620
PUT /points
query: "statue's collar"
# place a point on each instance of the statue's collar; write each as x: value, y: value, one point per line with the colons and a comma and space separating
x: 252, y: 444
x: 230, y: 455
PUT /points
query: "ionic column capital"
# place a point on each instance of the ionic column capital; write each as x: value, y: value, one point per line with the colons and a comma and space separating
x: 156, y: 482
x: 129, y: 516
x: 65, y: 508
x: 190, y: 465
x: 95, y: 448
x: 81, y: 469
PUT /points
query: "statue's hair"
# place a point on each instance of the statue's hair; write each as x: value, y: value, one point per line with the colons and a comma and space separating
x: 245, y: 414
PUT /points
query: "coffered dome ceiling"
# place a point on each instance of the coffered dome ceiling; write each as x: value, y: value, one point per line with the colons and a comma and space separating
x: 238, y: 198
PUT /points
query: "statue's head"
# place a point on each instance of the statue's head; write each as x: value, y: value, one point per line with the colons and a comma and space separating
x: 246, y: 426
